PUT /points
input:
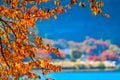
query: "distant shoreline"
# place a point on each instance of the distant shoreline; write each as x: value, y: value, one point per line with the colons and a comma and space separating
x: 90, y: 70
x: 84, y: 70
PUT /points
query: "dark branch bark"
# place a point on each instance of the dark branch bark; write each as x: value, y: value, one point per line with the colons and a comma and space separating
x: 6, y: 33
x: 3, y: 53
x: 8, y: 26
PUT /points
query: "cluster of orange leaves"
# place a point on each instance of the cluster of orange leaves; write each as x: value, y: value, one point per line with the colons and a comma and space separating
x: 15, y: 20
x: 95, y: 6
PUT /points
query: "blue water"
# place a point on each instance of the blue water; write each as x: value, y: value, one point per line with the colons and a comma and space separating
x: 86, y: 75
x: 102, y: 75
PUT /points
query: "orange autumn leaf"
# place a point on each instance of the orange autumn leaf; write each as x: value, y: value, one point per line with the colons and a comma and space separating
x: 33, y: 9
x: 73, y: 2
x: 99, y: 4
x: 5, y: 41
x: 69, y: 6
x: 24, y: 2
x: 45, y: 72
x: 50, y: 79
x: 59, y: 9
x: 8, y: 29
x: 19, y: 42
x: 1, y: 32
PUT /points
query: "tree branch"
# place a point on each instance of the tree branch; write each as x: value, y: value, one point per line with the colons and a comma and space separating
x: 3, y: 53
x: 8, y: 26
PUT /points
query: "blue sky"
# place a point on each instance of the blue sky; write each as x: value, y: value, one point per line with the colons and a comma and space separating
x: 77, y: 23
